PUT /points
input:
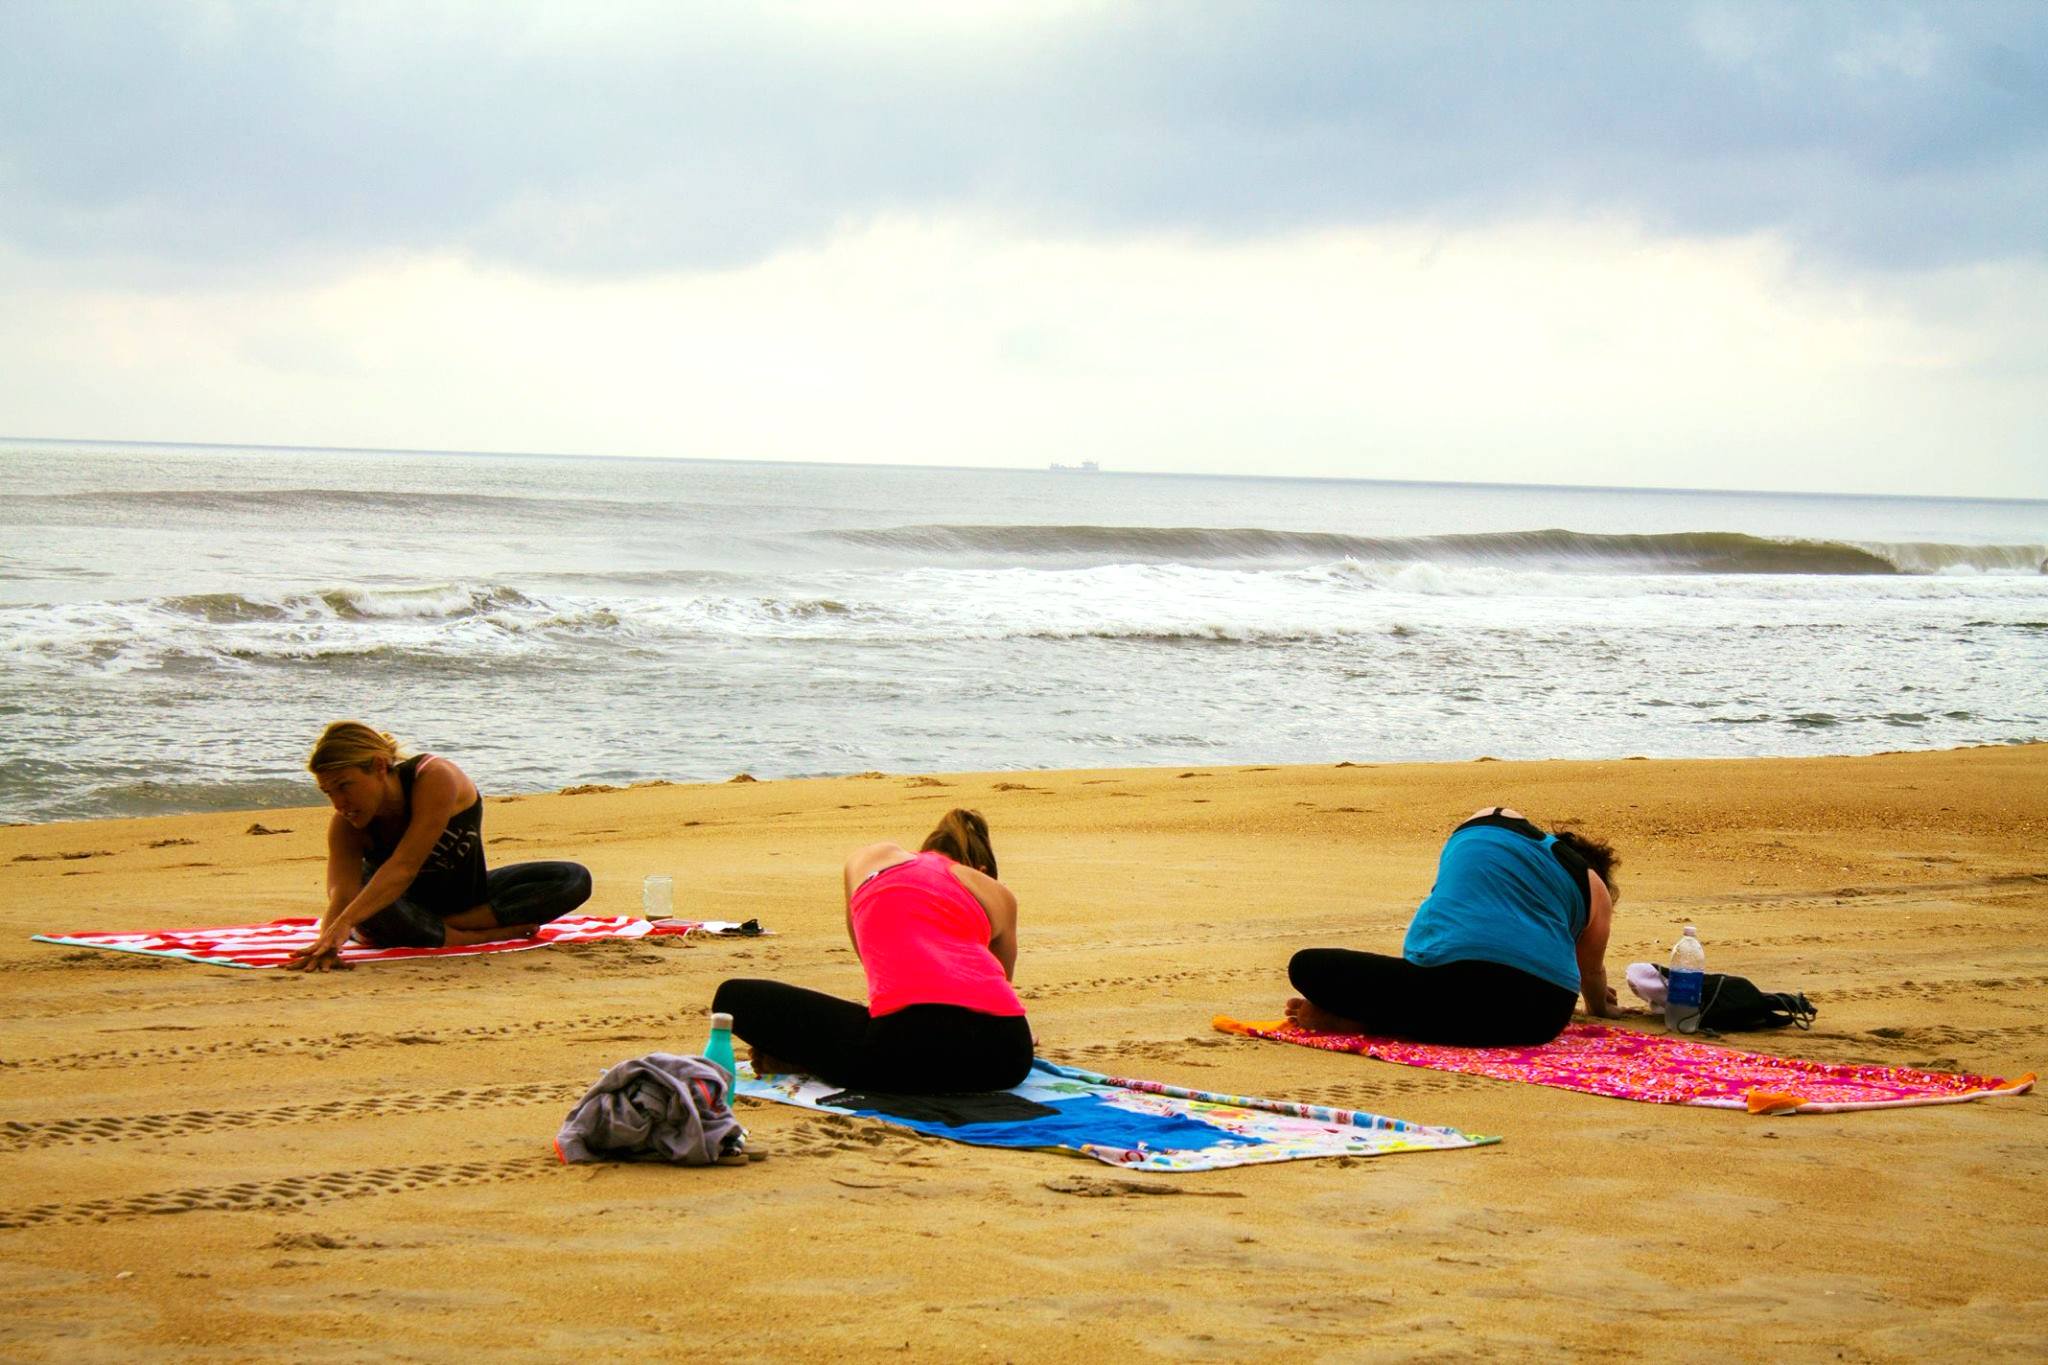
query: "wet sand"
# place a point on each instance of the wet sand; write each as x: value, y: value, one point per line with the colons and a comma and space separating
x: 215, y: 1164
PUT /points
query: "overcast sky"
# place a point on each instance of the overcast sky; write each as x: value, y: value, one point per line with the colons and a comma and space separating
x: 1779, y: 245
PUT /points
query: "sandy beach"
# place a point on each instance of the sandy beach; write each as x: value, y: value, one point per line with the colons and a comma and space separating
x: 215, y: 1164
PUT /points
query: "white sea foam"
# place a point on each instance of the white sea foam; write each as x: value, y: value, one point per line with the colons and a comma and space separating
x: 567, y: 621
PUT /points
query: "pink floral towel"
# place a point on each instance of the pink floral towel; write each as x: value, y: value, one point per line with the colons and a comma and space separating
x: 1599, y: 1059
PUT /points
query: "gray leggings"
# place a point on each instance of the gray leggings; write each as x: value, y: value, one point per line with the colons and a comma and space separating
x: 524, y: 893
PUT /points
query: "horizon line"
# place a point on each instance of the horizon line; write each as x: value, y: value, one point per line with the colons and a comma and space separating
x: 1008, y: 469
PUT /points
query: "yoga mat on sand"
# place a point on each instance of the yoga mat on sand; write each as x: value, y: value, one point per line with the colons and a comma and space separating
x: 1142, y: 1125
x: 1656, y: 1068
x: 268, y: 945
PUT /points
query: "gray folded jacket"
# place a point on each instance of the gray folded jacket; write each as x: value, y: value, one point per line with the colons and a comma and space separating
x: 661, y: 1107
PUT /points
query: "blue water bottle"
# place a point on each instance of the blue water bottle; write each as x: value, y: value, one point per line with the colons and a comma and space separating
x: 1688, y: 976
x: 718, y: 1051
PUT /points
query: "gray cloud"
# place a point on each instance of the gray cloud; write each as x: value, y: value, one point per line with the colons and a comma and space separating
x: 242, y: 138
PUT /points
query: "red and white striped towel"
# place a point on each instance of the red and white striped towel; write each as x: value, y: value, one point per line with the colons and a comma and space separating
x: 269, y: 945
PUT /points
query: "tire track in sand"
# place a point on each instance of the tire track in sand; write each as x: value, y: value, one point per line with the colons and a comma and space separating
x: 292, y: 1191
x: 656, y: 1026
x: 19, y: 1135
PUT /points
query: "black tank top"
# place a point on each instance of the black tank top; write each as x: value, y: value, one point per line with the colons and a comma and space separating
x: 451, y: 880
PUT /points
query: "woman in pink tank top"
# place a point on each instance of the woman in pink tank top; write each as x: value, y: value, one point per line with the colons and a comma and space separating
x: 936, y: 934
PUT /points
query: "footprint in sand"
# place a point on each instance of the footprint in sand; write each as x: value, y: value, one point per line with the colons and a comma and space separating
x: 114, y: 962
x: 1116, y: 1187
x: 318, y: 1241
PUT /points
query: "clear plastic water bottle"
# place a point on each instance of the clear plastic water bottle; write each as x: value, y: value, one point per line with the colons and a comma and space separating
x: 718, y: 1050
x: 1688, y: 976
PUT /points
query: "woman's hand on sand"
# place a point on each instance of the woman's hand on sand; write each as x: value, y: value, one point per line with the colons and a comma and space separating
x: 1610, y: 1007
x: 321, y: 956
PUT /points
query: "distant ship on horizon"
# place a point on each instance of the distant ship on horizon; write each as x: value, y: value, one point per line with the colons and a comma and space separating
x: 1085, y: 467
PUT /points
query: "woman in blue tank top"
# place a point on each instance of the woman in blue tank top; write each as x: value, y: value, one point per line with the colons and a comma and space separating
x: 1512, y: 934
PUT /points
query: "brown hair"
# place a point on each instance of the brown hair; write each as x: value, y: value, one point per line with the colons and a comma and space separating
x: 962, y: 835
x: 350, y: 744
x: 1599, y: 856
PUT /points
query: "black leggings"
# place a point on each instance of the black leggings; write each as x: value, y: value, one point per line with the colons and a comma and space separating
x: 1466, y: 1004
x: 918, y: 1050
x: 524, y: 893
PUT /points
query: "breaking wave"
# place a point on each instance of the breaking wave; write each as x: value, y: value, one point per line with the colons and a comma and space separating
x: 435, y: 602
x: 1692, y: 552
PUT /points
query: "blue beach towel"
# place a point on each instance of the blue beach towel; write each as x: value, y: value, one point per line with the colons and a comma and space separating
x: 1122, y: 1122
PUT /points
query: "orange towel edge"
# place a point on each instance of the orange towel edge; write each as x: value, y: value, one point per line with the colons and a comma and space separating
x: 2018, y: 1083
x: 1223, y: 1023
x: 1772, y: 1102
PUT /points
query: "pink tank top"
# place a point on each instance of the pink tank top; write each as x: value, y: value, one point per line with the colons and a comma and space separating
x: 923, y: 939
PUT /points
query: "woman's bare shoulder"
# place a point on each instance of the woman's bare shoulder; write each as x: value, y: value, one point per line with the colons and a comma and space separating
x: 871, y: 857
x: 991, y: 893
x: 438, y: 774
x: 440, y: 789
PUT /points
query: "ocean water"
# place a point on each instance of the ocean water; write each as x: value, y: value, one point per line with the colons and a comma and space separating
x: 176, y: 623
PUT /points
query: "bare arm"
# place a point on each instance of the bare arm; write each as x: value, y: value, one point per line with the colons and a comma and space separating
x: 344, y: 867
x: 999, y: 903
x: 1601, y: 1000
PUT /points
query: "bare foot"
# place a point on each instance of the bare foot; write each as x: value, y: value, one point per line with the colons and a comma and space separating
x: 470, y: 938
x: 766, y: 1065
x: 1303, y: 1015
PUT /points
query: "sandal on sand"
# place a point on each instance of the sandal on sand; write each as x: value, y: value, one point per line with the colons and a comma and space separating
x: 738, y: 1153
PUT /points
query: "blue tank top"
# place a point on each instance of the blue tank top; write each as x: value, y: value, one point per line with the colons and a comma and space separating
x: 1501, y: 897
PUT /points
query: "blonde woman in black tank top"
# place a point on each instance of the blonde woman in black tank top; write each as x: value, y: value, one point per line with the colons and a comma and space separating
x: 405, y: 859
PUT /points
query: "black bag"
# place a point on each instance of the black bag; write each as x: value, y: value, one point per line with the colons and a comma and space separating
x: 1733, y: 1004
